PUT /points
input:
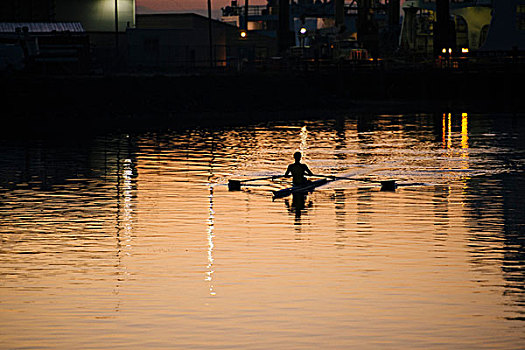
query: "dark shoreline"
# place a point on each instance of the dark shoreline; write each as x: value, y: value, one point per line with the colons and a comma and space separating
x: 113, y: 102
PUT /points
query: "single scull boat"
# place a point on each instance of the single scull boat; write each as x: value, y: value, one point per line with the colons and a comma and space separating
x: 300, y: 189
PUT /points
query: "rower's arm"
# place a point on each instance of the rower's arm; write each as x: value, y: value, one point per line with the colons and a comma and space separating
x: 308, y: 171
x: 288, y: 172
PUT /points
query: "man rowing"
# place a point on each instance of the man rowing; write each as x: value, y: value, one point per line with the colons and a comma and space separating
x: 298, y: 171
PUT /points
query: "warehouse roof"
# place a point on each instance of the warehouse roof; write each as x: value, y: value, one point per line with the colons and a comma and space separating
x: 42, y: 27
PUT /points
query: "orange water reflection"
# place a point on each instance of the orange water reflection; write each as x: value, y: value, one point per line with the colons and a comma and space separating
x: 143, y: 246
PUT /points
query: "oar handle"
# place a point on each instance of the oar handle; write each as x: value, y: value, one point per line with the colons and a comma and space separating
x: 235, y: 185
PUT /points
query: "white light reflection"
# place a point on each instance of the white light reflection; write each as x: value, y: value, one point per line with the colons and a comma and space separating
x: 127, y: 218
x: 304, y: 138
x: 211, y: 235
x: 124, y: 223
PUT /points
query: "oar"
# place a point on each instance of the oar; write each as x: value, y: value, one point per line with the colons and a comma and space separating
x: 386, y: 185
x: 235, y: 185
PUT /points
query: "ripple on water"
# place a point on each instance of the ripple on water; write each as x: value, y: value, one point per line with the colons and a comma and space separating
x: 134, y: 240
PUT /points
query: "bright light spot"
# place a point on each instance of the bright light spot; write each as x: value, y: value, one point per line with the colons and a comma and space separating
x: 449, y: 50
x: 444, y: 50
x: 464, y: 50
x: 243, y: 34
x: 303, y: 30
x: 464, y: 130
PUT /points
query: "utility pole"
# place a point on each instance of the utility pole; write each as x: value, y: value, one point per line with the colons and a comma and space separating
x: 283, y: 30
x: 116, y: 29
x: 442, y: 27
x: 210, y: 34
x: 246, y: 15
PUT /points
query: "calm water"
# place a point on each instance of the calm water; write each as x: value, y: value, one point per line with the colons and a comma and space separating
x: 134, y: 241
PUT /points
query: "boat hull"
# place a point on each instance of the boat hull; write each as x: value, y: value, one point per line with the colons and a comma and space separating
x: 301, y: 189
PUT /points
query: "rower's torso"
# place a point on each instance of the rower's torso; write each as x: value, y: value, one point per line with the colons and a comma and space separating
x: 298, y: 172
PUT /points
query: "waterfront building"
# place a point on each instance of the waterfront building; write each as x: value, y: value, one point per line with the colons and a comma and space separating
x: 323, y: 25
x: 102, y: 22
x: 94, y: 15
x: 48, y: 47
x: 171, y: 41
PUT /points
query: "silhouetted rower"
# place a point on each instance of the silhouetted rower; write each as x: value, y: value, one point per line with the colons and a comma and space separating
x: 298, y: 170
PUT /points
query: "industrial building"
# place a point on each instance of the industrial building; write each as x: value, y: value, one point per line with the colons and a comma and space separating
x: 50, y: 47
x: 94, y: 15
x: 182, y: 40
x: 473, y: 25
x: 507, y: 28
x: 118, y: 38
x: 103, y: 21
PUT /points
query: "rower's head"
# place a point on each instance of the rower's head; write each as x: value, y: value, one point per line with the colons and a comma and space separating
x: 297, y: 156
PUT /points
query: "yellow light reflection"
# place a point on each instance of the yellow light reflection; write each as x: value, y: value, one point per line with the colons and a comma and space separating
x: 464, y: 146
x: 449, y: 132
x: 464, y: 130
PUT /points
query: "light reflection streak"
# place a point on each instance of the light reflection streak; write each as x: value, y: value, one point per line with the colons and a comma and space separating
x: 127, y: 175
x: 211, y: 235
x: 211, y: 222
x: 125, y: 214
x: 449, y: 136
x: 304, y: 138
x: 452, y: 151
x: 444, y: 131
x: 465, y: 148
x: 464, y: 130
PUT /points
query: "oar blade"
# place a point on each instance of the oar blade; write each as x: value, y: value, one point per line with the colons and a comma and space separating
x: 388, y: 185
x: 234, y: 185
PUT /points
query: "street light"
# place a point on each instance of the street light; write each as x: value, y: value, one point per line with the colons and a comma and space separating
x: 243, y: 34
x: 302, y: 34
x: 116, y: 28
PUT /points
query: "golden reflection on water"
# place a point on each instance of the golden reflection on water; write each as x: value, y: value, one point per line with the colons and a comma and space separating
x: 197, y: 266
x: 464, y: 130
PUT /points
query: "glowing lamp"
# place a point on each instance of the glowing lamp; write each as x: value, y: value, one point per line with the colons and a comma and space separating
x: 243, y: 34
x: 444, y: 50
x: 464, y: 50
x: 449, y: 50
x: 303, y: 30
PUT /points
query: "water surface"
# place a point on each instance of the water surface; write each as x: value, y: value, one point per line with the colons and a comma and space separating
x: 134, y: 241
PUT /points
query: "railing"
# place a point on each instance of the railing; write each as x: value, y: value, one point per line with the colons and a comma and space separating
x: 253, y: 10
